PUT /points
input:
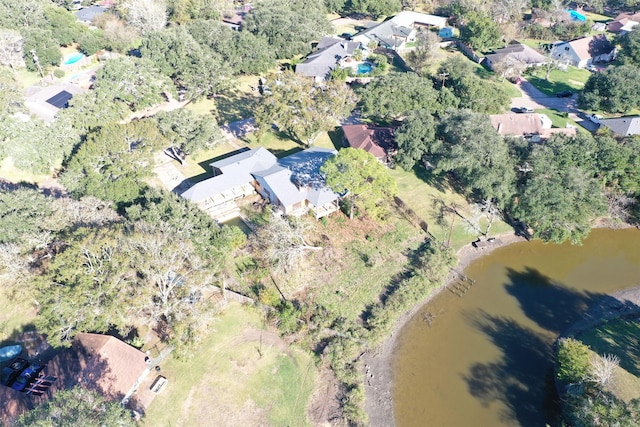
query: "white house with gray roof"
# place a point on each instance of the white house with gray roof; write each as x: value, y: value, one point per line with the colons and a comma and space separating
x: 331, y: 52
x: 293, y: 185
x: 396, y: 32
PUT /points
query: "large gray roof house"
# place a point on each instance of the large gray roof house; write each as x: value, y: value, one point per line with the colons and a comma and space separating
x: 623, y: 126
x: 331, y: 51
x: 293, y: 184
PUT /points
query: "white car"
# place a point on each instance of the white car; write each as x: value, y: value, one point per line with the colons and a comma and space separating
x: 595, y: 118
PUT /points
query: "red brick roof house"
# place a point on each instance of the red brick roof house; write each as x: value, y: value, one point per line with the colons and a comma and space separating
x: 378, y: 141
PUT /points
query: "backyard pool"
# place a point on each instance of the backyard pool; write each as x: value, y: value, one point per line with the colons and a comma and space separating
x: 364, y: 68
x: 73, y: 58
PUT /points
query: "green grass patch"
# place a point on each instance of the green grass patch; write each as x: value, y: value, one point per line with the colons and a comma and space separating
x: 243, y: 374
x: 425, y: 195
x: 195, y: 166
x: 487, y: 74
x: 621, y: 338
x: 276, y: 142
x: 572, y: 79
x: 557, y: 119
x: 9, y: 172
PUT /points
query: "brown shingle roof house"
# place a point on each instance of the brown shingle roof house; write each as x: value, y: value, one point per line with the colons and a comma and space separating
x: 533, y: 126
x: 111, y: 367
x: 378, y: 141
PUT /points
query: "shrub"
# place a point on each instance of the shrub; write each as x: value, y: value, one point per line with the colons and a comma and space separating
x: 574, y: 363
x: 58, y: 73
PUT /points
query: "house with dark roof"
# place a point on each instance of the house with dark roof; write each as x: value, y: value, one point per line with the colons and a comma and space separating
x: 378, y: 141
x: 584, y: 51
x: 396, y: 32
x: 623, y: 126
x: 86, y: 15
x: 515, y: 53
x: 45, y: 102
x: 293, y: 184
x: 532, y: 126
x: 330, y: 54
x: 624, y: 23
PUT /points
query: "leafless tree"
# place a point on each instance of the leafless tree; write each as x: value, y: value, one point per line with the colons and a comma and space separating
x: 145, y: 15
x: 282, y: 242
x: 603, y: 369
x: 11, y: 49
x: 620, y: 205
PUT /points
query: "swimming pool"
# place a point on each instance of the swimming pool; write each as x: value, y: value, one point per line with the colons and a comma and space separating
x: 577, y: 16
x: 364, y: 68
x: 73, y: 58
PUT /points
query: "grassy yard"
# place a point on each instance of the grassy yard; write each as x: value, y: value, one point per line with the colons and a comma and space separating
x: 557, y: 120
x: 621, y: 338
x: 13, y: 174
x: 572, y: 79
x: 243, y: 374
x: 426, y: 196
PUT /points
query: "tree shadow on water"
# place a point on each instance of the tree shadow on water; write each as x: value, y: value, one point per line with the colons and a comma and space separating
x: 521, y: 378
x: 518, y: 378
x: 557, y: 308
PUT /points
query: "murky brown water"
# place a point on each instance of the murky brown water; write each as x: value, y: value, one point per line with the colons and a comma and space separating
x: 486, y: 359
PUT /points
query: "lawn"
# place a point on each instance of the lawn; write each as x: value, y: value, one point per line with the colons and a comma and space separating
x: 232, y: 104
x: 425, y: 195
x: 243, y: 374
x: 572, y: 79
x: 557, y: 120
x: 13, y: 174
x: 622, y: 338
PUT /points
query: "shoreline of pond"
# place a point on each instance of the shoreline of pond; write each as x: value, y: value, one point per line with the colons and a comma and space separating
x: 378, y: 373
x: 378, y: 364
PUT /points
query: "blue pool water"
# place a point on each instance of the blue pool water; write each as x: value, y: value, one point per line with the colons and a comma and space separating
x: 364, y: 68
x: 577, y: 16
x: 73, y: 58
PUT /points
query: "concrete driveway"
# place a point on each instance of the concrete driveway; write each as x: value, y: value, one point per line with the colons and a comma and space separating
x: 533, y: 98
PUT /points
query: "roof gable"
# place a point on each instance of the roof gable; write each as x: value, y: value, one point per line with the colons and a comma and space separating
x: 589, y: 47
x: 374, y: 140
x: 109, y: 365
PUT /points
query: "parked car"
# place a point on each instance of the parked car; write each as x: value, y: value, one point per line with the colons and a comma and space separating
x: 595, y: 118
x: 564, y: 94
x: 523, y: 110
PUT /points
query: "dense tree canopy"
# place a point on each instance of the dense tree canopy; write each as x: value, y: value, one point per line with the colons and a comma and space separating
x: 561, y: 196
x: 300, y: 108
x: 113, y: 160
x: 133, y: 82
x: 242, y: 51
x: 414, y: 138
x: 77, y: 406
x: 289, y: 25
x: 615, y: 90
x: 468, y: 146
x: 365, y: 181
x: 394, y: 95
x: 630, y: 48
x: 188, y: 131
x: 481, y: 32
x: 196, y: 71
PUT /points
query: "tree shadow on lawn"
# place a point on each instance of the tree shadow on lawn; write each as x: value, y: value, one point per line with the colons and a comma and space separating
x: 233, y: 105
x: 522, y: 377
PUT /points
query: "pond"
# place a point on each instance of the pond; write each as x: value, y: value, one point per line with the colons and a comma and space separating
x: 486, y: 359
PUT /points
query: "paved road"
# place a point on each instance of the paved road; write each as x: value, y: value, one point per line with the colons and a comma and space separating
x: 533, y: 98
